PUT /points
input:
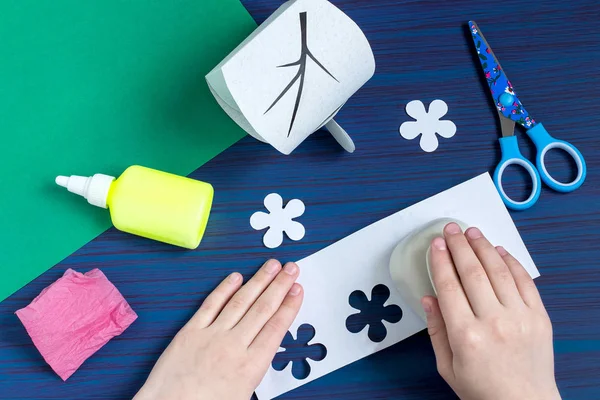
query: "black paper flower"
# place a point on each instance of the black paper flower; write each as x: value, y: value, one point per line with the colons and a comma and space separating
x: 297, y: 351
x: 372, y: 313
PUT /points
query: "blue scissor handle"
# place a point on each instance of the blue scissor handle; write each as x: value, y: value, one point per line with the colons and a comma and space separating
x: 511, y: 155
x: 544, y: 142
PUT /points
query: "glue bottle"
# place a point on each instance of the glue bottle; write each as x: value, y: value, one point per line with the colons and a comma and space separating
x: 149, y: 203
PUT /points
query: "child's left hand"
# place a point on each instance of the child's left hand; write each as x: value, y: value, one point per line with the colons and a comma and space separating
x: 224, y: 351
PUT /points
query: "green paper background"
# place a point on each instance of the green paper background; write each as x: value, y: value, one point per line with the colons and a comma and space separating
x: 94, y: 87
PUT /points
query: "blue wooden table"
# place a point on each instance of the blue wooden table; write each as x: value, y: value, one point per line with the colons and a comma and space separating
x: 550, y: 50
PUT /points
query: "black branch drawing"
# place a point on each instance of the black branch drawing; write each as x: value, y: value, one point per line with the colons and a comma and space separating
x: 305, y: 54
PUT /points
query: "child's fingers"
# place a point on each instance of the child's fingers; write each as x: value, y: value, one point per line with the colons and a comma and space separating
x: 436, y: 327
x: 523, y: 280
x: 267, y: 342
x: 267, y: 304
x: 241, y: 302
x: 473, y: 277
x: 214, y: 303
x: 496, y: 269
x: 452, y: 298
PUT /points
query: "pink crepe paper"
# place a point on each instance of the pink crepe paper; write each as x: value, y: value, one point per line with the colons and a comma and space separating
x: 74, y: 317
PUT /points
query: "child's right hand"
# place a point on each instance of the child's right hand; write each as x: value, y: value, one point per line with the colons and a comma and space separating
x: 490, y: 331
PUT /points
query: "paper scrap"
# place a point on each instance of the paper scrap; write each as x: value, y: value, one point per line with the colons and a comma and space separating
x: 427, y: 124
x: 90, y: 87
x: 279, y: 220
x: 74, y: 317
x: 294, y: 73
x: 361, y: 262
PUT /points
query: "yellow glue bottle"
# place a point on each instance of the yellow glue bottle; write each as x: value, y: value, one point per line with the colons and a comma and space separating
x: 149, y: 203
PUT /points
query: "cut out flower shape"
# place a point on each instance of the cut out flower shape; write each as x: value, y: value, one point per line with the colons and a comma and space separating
x: 279, y: 220
x: 427, y: 124
x: 372, y: 313
x: 298, y: 351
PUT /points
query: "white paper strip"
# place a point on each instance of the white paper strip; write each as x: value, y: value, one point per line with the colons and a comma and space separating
x: 360, y: 261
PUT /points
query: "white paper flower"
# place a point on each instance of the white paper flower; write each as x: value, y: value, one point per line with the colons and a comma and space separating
x: 279, y: 220
x: 427, y: 124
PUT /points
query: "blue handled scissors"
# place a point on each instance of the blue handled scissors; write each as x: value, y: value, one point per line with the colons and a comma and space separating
x: 511, y: 112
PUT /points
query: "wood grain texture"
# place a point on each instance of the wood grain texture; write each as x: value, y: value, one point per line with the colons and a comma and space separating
x: 550, y: 50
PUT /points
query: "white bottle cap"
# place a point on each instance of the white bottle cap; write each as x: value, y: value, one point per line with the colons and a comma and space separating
x: 94, y: 188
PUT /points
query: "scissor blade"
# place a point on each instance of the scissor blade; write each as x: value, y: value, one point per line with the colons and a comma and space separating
x: 507, y: 126
x: 502, y: 91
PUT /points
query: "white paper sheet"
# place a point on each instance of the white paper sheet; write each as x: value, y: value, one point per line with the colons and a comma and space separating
x: 360, y: 262
x: 338, y: 60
